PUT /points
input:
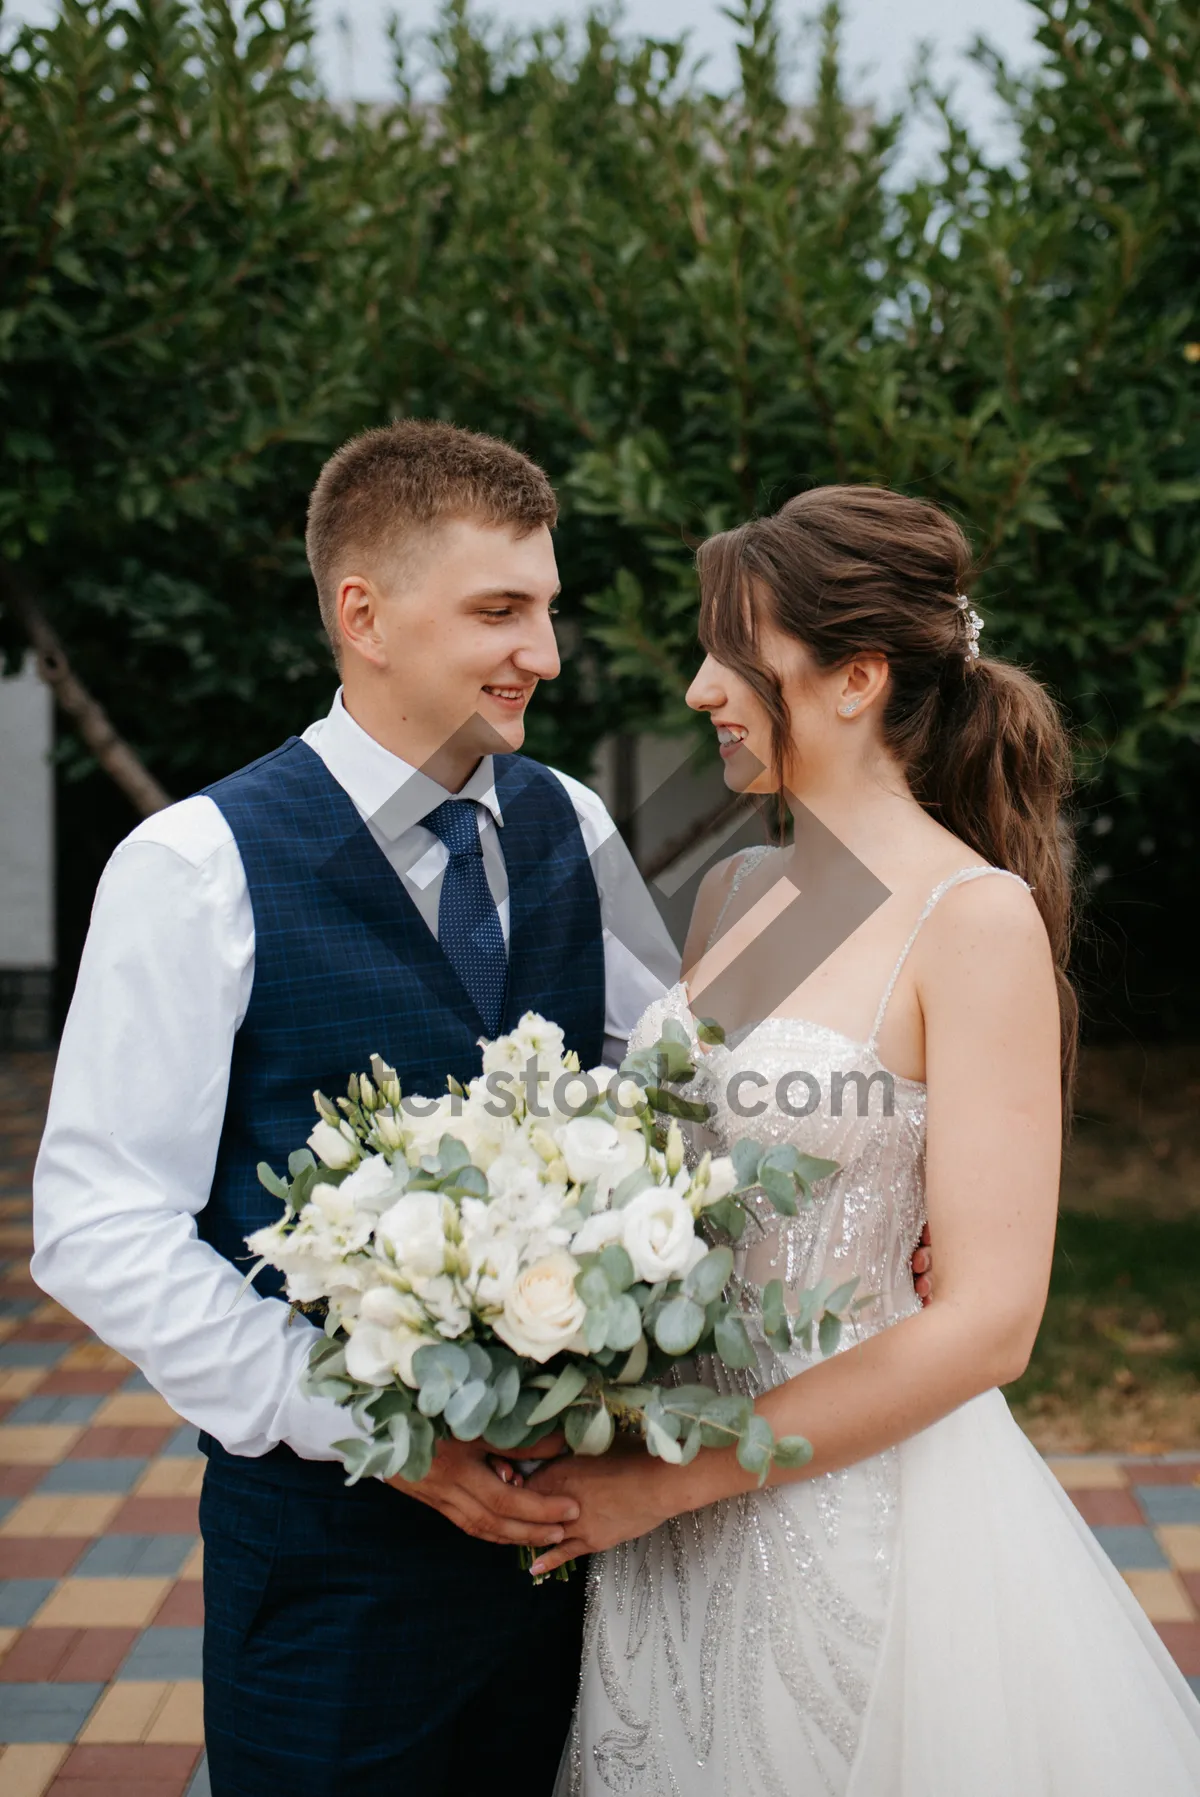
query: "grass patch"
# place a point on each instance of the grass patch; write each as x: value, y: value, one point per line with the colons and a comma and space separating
x: 1117, y: 1361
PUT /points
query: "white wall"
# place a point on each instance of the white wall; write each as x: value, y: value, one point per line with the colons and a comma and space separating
x: 26, y: 823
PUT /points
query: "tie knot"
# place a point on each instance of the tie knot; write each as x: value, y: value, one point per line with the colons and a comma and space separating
x: 455, y: 823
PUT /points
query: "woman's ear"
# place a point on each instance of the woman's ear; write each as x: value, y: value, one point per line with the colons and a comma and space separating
x: 860, y: 685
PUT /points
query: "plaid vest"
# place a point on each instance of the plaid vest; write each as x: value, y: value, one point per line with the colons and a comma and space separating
x: 345, y: 966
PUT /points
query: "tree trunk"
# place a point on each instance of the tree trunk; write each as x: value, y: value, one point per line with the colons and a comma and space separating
x: 89, y: 717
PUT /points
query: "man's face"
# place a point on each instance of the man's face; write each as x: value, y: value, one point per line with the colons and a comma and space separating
x: 442, y: 657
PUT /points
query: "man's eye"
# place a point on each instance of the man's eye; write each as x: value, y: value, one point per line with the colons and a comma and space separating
x: 502, y: 611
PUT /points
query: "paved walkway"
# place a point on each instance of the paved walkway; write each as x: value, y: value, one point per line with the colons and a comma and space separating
x: 101, y: 1611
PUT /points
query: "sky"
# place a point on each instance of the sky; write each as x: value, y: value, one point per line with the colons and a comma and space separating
x: 881, y: 39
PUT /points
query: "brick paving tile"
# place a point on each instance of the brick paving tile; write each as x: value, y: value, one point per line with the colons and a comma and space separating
x: 55, y: 1655
x: 18, y: 1481
x: 1107, y: 1508
x: 183, y: 1606
x: 1163, y: 1473
x: 1182, y: 1640
x: 47, y: 1557
x: 26, y: 1770
x: 125, y: 1771
x: 155, y: 1516
x: 83, y: 1382
x: 107, y: 1443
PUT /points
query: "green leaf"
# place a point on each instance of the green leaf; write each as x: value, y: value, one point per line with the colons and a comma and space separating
x: 471, y: 1409
x: 659, y: 1442
x: 507, y: 1388
x: 589, y: 1431
x: 679, y: 1325
x: 775, y: 1323
x: 442, y: 1360
x: 301, y: 1160
x: 566, y: 1388
x: 435, y: 1393
x: 469, y: 1182
x: 640, y: 1180
x: 792, y: 1451
x: 709, y: 1031
x: 745, y: 1155
x: 594, y: 1288
x: 623, y: 1324
x: 420, y: 1449
x: 709, y: 1277
x: 840, y: 1296
x: 724, y: 1417
x: 617, y: 1267
x: 755, y: 1446
x: 277, y: 1187
x: 452, y: 1154
x: 635, y: 1366
x: 829, y: 1333
x: 733, y: 1344
x: 780, y: 1188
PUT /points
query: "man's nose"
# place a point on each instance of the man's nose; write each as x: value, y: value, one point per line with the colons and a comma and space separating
x: 538, y: 655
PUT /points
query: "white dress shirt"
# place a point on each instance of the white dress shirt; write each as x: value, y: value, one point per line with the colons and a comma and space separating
x: 138, y: 1101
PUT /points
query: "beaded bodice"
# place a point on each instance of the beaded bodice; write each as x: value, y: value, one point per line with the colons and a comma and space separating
x: 790, y: 1080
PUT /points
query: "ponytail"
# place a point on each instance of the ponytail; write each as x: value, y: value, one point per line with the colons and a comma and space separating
x: 996, y: 772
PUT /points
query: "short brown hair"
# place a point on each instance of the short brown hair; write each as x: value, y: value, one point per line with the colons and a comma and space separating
x: 385, y: 485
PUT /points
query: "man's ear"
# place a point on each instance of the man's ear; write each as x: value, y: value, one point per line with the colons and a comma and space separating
x: 356, y: 609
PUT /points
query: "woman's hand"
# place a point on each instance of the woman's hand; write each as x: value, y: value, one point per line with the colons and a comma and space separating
x: 620, y: 1496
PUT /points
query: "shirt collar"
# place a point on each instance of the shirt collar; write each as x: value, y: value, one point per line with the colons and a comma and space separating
x: 387, y: 790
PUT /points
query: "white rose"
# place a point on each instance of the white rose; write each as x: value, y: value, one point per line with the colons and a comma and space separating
x: 376, y: 1355
x: 414, y: 1229
x: 660, y: 1235
x: 332, y: 1147
x: 593, y: 1149
x: 601, y: 1229
x: 373, y: 1184
x: 543, y: 1311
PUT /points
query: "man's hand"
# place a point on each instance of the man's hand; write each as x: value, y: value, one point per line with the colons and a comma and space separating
x: 466, y: 1490
x: 922, y: 1266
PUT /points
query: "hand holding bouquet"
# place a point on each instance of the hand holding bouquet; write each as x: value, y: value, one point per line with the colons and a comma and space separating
x: 533, y: 1253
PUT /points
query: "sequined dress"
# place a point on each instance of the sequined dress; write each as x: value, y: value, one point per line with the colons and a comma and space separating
x: 932, y: 1622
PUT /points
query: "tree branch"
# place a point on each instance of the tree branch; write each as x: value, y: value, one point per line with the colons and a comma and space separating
x: 112, y: 752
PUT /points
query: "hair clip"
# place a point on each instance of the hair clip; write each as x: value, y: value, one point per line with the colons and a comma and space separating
x: 973, y: 624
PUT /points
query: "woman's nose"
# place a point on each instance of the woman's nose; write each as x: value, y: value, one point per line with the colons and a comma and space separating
x: 706, y: 692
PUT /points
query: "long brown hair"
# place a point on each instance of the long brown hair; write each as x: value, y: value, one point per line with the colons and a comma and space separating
x: 861, y: 570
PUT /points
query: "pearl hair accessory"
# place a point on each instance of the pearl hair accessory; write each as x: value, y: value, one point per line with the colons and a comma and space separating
x: 973, y: 623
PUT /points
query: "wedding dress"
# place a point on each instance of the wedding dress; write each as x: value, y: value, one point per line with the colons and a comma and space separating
x: 934, y: 1622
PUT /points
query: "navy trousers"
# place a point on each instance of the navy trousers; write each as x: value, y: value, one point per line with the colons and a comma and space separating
x: 356, y: 1641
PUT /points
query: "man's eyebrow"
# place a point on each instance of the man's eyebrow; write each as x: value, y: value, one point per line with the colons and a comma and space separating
x: 516, y: 594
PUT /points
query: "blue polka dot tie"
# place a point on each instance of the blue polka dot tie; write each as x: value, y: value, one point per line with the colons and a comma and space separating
x: 468, y: 922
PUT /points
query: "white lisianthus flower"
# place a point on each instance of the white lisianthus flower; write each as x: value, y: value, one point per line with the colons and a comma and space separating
x: 389, y: 1128
x: 660, y: 1235
x: 722, y: 1179
x: 414, y: 1230
x: 373, y: 1185
x: 333, y: 1147
x: 599, y: 1231
x: 540, y: 1038
x: 594, y: 1149
x: 543, y: 1312
x: 376, y: 1354
x: 425, y: 1130
x: 445, y: 1303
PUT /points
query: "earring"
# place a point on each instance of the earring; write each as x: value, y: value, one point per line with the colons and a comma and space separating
x: 848, y: 710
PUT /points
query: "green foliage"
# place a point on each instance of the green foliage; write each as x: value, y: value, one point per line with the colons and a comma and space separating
x: 687, y: 306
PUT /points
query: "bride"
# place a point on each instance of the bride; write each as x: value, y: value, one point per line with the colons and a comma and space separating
x: 918, y: 1612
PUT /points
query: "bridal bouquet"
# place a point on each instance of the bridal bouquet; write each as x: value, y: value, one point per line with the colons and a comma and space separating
x: 532, y: 1253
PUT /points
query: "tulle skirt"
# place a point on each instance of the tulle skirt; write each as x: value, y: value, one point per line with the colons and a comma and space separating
x: 998, y: 1655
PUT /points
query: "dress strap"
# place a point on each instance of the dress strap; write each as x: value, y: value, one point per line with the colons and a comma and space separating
x: 746, y: 862
x: 957, y: 879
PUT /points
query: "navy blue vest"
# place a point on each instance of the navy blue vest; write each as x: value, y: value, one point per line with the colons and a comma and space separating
x: 345, y: 966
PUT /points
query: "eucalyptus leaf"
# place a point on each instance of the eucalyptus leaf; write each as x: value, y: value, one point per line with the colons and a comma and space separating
x: 635, y: 1366
x: 724, y: 1417
x: 507, y: 1387
x: 679, y: 1325
x: 623, y: 1324
x: 277, y: 1187
x: 754, y: 1448
x: 659, y: 1442
x: 566, y: 1388
x: 829, y: 1333
x: 792, y: 1451
x: 617, y: 1267
x: 471, y: 1409
x: 746, y: 1155
x: 640, y: 1180
x: 709, y: 1277
x: 733, y: 1344
x: 590, y: 1431
x: 301, y: 1160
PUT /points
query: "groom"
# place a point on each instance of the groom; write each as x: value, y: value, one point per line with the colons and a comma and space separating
x: 394, y: 881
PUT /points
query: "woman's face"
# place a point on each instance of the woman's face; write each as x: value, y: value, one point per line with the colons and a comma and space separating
x: 743, y: 724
